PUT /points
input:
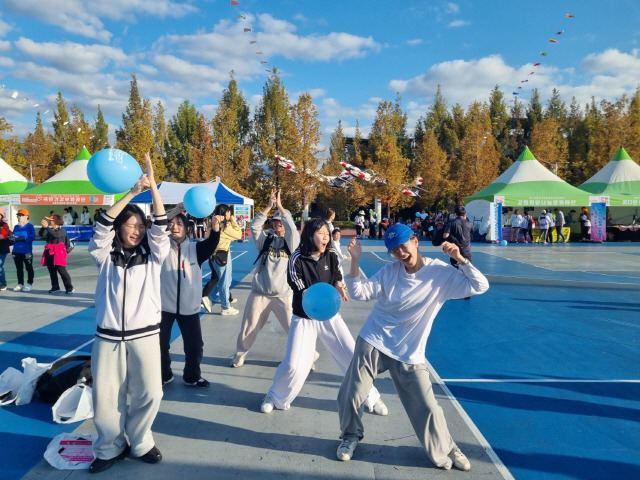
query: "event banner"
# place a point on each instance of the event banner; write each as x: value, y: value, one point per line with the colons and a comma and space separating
x: 598, y: 222
x: 495, y: 221
x: 65, y: 199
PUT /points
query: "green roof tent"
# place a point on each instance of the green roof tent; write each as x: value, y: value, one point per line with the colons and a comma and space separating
x: 619, y: 180
x: 10, y: 180
x: 527, y: 183
x: 69, y: 187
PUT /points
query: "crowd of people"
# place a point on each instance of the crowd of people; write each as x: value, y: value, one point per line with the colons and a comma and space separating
x: 161, y: 257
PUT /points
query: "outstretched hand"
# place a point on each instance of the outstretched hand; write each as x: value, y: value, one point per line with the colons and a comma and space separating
x: 453, y: 251
x: 355, y: 249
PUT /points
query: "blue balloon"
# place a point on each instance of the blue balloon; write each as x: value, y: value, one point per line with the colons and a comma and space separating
x: 113, y: 171
x: 503, y: 243
x: 418, y: 214
x: 321, y: 301
x: 199, y: 201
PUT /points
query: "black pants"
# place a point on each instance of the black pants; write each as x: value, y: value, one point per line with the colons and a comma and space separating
x: 24, y: 260
x: 54, y: 271
x: 193, y: 345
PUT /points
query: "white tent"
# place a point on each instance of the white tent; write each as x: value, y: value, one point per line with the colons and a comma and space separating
x: 173, y: 193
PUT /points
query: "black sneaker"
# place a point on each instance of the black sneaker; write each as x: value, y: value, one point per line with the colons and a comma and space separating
x: 201, y: 383
x: 71, y: 290
x: 54, y: 290
x: 168, y: 381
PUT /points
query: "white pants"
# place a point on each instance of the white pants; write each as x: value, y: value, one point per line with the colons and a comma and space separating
x: 127, y: 390
x: 301, y: 344
x: 256, y: 313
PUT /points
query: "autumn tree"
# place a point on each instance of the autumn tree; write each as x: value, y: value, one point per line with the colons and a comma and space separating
x: 158, y: 152
x: 432, y: 164
x: 100, y: 137
x: 135, y: 136
x: 39, y: 150
x: 550, y: 146
x: 182, y: 131
x: 274, y: 134
x: 387, y: 157
x: 328, y: 196
x: 63, y: 138
x: 202, y: 153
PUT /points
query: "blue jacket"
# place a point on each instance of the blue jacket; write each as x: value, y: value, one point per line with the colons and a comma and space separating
x: 25, y: 235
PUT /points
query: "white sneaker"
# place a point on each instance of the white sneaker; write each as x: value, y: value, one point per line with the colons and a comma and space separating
x: 380, y: 408
x: 460, y: 461
x: 229, y: 311
x: 346, y: 449
x: 236, y: 363
x: 206, y: 304
x: 316, y: 356
x: 233, y: 300
x: 18, y: 287
x: 27, y: 287
x: 267, y: 405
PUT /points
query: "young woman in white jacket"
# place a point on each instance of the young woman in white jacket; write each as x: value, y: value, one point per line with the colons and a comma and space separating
x: 125, y: 360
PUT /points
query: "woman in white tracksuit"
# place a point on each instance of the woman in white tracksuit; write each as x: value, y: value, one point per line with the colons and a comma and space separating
x: 125, y: 360
x: 313, y: 262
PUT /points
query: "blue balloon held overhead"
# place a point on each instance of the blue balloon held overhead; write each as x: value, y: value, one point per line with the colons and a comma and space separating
x: 113, y: 171
x: 418, y: 214
x: 199, y: 201
x: 321, y: 301
x: 503, y: 243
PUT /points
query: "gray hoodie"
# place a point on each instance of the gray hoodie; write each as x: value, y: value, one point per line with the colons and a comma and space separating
x: 270, y: 274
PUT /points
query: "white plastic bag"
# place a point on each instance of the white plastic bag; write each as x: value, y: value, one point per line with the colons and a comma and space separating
x: 70, y: 451
x: 32, y: 373
x: 10, y: 382
x: 74, y: 405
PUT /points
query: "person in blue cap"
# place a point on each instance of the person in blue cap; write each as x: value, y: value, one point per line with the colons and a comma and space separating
x: 408, y: 293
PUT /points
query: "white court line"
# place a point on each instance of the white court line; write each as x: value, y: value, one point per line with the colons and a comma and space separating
x: 535, y: 380
x: 504, y: 471
x: 379, y: 257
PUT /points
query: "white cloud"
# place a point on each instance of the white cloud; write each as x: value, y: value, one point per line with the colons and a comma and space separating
x: 414, y: 41
x: 72, y: 57
x: 5, y: 46
x: 612, y: 61
x: 4, y: 28
x: 452, y: 8
x: 459, y: 23
x: 84, y: 18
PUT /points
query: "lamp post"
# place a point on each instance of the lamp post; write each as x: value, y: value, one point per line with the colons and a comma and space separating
x: 554, y: 165
x: 30, y: 166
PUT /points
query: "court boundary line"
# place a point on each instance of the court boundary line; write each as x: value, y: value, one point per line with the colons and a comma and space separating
x: 535, y: 380
x: 484, y: 443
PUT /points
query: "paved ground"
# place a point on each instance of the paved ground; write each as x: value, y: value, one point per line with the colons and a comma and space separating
x: 220, y: 433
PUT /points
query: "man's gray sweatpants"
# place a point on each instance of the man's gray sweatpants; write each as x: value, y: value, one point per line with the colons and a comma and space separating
x: 416, y: 394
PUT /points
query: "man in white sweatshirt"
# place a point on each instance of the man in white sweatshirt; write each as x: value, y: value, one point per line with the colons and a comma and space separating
x: 409, y: 293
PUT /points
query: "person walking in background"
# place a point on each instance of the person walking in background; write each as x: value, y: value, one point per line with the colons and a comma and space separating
x: 559, y: 225
x: 5, y: 243
x: 408, y: 295
x: 67, y: 219
x: 459, y: 230
x: 585, y: 225
x: 543, y: 224
x: 551, y: 226
x: 270, y: 291
x: 24, y: 235
x: 359, y: 221
x: 314, y: 261
x: 55, y: 252
x: 74, y: 215
x: 516, y: 225
x: 336, y: 234
x: 181, y: 291
x: 524, y: 226
x: 221, y: 259
x: 85, y: 216
x: 127, y: 386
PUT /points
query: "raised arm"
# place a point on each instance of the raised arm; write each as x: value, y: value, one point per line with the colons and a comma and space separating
x: 355, y: 250
x: 145, y: 181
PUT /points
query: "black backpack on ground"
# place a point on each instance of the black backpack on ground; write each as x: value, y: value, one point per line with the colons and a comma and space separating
x: 57, y: 379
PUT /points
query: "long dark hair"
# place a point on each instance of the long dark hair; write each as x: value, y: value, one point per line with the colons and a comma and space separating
x: 307, y: 246
x: 222, y: 209
x: 128, y: 212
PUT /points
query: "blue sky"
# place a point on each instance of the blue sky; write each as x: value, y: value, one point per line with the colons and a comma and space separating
x: 348, y: 54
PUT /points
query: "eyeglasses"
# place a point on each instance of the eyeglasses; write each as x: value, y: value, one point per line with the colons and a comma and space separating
x: 140, y: 228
